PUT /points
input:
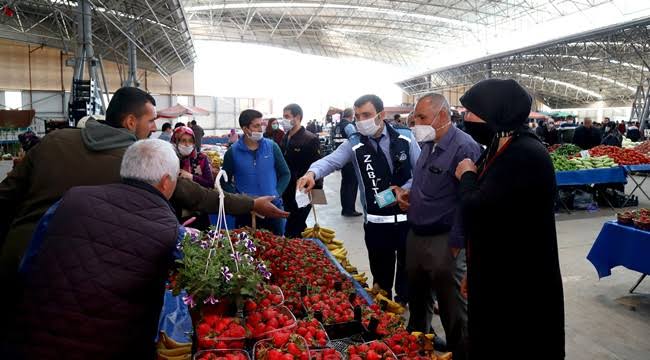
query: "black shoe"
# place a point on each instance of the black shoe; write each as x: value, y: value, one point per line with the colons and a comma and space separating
x: 352, y: 214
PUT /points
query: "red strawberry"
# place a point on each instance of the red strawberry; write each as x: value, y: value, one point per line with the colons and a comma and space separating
x: 372, y: 355
x: 280, y: 338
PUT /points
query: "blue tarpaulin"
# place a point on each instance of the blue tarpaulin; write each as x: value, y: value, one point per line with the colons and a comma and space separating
x: 637, y: 168
x: 620, y: 245
x: 593, y: 176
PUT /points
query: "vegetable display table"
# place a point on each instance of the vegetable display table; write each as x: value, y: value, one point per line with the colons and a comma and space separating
x: 587, y: 177
x: 633, y: 171
x: 620, y: 245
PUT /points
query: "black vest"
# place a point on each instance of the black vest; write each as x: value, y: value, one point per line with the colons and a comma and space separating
x: 375, y: 173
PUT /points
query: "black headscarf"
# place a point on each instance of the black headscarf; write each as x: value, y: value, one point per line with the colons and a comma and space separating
x: 503, y: 104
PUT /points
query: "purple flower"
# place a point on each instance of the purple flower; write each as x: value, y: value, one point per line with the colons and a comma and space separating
x: 250, y: 245
x: 236, y: 256
x: 211, y: 299
x: 226, y: 273
x: 266, y: 274
x: 212, y: 233
x: 205, y: 244
x: 189, y: 301
x: 243, y: 236
x: 261, y: 267
x: 249, y: 258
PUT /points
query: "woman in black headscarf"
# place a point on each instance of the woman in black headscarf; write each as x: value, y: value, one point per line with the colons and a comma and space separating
x: 507, y: 199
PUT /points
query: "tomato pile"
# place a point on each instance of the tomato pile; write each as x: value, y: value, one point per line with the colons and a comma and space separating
x: 644, y: 147
x: 619, y: 155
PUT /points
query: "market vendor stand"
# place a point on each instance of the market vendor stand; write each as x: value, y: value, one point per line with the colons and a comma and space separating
x: 634, y: 171
x: 621, y: 245
x: 615, y: 175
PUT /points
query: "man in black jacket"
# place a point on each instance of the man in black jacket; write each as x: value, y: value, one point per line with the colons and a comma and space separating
x: 93, y: 278
x: 349, y: 185
x: 300, y: 148
x: 586, y: 136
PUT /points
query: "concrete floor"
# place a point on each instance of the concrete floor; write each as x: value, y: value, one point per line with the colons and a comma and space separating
x: 603, y: 321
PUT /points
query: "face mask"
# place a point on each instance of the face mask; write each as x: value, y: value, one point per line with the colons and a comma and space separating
x: 185, y: 150
x: 275, y: 126
x: 424, y: 133
x: 255, y: 136
x: 481, y: 132
x: 368, y: 127
x: 286, y: 125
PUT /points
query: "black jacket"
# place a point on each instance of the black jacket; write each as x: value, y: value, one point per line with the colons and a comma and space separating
x: 95, y: 287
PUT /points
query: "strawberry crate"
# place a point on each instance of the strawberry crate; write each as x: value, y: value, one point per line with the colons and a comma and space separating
x: 373, y: 350
x: 326, y: 354
x: 281, y: 346
x: 225, y: 354
x: 267, y: 296
x: 215, y: 332
x: 313, y: 332
x: 263, y: 324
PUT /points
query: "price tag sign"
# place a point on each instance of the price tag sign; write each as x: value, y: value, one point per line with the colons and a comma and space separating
x: 585, y: 154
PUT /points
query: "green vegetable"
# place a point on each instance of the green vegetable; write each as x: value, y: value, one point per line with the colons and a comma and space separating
x: 567, y: 150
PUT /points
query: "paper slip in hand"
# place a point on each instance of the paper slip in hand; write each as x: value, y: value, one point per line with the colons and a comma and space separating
x: 302, y: 199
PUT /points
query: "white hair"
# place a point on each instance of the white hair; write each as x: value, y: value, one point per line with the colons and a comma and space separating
x: 149, y: 161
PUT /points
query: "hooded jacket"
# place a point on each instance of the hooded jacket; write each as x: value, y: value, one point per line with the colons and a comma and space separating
x: 78, y: 157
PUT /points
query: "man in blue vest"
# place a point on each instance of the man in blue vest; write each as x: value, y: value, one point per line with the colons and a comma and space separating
x: 256, y: 167
x: 383, y: 159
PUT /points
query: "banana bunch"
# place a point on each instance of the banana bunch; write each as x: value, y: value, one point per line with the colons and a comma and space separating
x: 321, y: 233
x: 376, y: 290
x: 168, y: 349
x: 392, y: 306
x: 361, y: 278
x: 340, y: 254
x: 351, y: 269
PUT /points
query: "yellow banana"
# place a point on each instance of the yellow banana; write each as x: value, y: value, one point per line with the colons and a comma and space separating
x: 327, y: 230
x: 337, y: 242
x: 327, y: 235
x: 332, y: 247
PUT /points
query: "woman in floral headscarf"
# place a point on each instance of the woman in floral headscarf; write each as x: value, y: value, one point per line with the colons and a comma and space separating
x: 195, y: 165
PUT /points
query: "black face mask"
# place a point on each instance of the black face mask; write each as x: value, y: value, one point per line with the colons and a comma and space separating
x: 481, y: 132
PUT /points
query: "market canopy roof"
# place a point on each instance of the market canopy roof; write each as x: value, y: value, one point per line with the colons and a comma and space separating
x: 158, y: 27
x: 397, y: 32
x: 606, y: 65
x: 180, y: 110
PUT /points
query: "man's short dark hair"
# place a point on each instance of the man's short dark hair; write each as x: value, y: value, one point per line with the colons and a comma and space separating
x: 247, y: 116
x: 127, y: 101
x: 166, y: 126
x: 294, y: 109
x: 348, y: 113
x: 193, y: 122
x: 396, y: 117
x: 374, y: 99
x: 178, y: 124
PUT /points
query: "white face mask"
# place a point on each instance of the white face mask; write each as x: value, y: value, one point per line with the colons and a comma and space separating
x: 424, y: 133
x: 286, y: 125
x: 185, y: 150
x: 256, y: 136
x: 368, y: 127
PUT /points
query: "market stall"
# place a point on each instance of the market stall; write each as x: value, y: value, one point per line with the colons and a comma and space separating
x: 247, y: 293
x: 600, y: 165
x: 622, y: 243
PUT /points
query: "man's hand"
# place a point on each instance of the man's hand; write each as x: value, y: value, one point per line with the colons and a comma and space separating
x: 463, y: 286
x: 402, y: 196
x: 264, y: 207
x: 306, y: 182
x: 465, y: 166
x: 185, y: 174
